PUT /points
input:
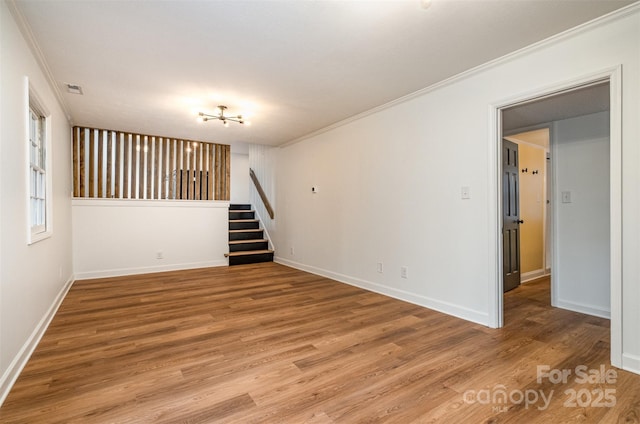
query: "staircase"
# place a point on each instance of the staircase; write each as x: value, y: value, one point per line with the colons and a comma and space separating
x: 247, y: 244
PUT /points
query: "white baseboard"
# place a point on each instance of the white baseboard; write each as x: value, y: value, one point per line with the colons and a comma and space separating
x: 148, y: 270
x: 583, y: 309
x: 437, y: 305
x: 20, y: 360
x: 631, y: 363
x: 532, y: 275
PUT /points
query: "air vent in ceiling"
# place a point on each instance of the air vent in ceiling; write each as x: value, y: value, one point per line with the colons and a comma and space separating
x: 74, y: 88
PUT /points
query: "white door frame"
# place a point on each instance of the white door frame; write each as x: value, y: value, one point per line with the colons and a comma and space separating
x: 614, y: 77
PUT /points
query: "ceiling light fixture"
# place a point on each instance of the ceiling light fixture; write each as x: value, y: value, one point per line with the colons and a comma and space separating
x: 204, y: 117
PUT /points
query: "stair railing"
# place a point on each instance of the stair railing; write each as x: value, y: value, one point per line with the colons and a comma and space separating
x: 262, y: 194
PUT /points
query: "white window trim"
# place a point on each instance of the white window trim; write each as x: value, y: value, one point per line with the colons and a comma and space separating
x: 34, y: 101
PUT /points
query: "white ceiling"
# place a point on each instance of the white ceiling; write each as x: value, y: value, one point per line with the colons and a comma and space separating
x: 536, y: 137
x: 578, y: 102
x: 293, y: 67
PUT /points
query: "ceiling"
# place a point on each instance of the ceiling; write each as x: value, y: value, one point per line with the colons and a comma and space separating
x: 291, y: 67
x: 569, y: 104
x: 538, y: 137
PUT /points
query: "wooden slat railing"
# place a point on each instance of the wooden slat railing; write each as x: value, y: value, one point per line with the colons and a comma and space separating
x: 262, y: 194
x: 123, y: 165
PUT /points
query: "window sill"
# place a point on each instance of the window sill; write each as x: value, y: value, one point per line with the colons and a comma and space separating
x: 35, y: 238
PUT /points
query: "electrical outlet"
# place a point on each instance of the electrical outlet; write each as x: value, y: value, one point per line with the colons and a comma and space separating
x: 465, y: 192
x: 404, y: 272
x: 293, y: 252
x: 379, y: 267
x: 159, y: 254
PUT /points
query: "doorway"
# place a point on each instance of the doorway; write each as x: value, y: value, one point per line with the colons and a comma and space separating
x: 579, y: 119
x: 531, y: 146
x: 609, y: 82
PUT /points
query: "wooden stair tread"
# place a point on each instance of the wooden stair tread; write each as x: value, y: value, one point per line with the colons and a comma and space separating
x: 242, y: 210
x: 248, y: 252
x: 245, y: 230
x: 247, y: 241
x: 243, y: 220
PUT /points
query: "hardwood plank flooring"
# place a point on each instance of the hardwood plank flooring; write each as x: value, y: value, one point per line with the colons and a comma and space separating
x: 265, y: 343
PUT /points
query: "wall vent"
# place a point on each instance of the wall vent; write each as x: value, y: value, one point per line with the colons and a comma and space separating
x: 74, y: 88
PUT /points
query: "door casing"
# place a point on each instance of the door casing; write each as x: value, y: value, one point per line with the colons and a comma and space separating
x: 614, y: 77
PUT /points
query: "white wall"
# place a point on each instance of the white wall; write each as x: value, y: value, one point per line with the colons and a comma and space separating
x: 240, y: 180
x: 33, y: 278
x: 121, y: 237
x: 263, y: 161
x: 581, y: 160
x: 390, y: 182
x: 532, y: 206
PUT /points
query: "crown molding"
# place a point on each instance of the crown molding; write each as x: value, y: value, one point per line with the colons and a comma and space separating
x: 27, y: 33
x: 571, y: 32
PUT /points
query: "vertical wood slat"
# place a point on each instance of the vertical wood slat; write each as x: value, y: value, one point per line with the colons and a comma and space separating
x: 148, y: 158
x: 173, y: 166
x: 82, y: 137
x: 184, y: 168
x: 197, y: 156
x: 142, y: 168
x: 109, y: 191
x: 196, y: 169
x: 118, y: 163
x: 126, y: 163
x: 163, y: 193
x: 190, y: 167
x: 100, y: 153
x: 163, y: 169
x: 205, y: 171
x: 135, y: 153
x: 227, y: 171
x: 216, y: 194
x: 157, y: 171
x: 211, y: 170
x: 76, y: 164
x: 192, y: 179
x: 187, y: 167
x: 220, y: 172
x: 92, y: 166
x: 141, y: 162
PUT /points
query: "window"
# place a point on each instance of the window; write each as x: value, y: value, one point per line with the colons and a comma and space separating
x: 37, y: 172
x: 39, y: 180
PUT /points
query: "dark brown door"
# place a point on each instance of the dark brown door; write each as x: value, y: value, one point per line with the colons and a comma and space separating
x: 510, y: 215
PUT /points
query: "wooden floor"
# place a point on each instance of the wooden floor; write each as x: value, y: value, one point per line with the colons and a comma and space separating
x: 269, y: 344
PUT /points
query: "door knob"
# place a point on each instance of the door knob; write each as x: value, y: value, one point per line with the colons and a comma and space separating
x: 519, y: 221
